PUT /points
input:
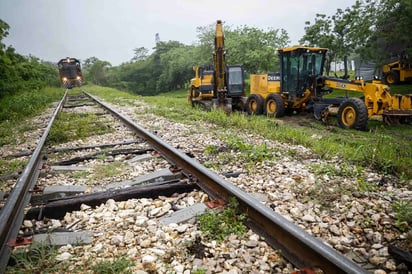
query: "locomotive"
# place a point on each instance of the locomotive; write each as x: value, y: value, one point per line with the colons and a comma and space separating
x: 70, y: 72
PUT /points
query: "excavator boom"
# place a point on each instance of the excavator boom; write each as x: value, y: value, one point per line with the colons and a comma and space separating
x: 219, y: 57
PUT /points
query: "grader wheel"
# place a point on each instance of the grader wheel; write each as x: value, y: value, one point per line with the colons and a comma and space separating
x: 254, y: 104
x: 353, y: 114
x: 274, y: 105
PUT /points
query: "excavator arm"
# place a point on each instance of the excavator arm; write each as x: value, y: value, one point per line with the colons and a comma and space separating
x: 219, y: 57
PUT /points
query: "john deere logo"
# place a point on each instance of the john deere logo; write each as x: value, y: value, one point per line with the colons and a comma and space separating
x: 273, y: 77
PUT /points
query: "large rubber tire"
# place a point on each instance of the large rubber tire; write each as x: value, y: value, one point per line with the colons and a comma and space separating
x: 353, y: 114
x: 391, y: 78
x: 254, y: 104
x: 274, y: 105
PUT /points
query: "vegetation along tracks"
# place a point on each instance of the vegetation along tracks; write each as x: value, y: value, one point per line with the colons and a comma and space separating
x: 297, y: 248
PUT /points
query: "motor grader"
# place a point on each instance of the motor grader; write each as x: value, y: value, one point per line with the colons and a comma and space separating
x: 219, y: 85
x: 302, y: 86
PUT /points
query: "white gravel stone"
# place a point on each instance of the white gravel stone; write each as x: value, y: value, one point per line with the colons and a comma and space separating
x: 65, y: 256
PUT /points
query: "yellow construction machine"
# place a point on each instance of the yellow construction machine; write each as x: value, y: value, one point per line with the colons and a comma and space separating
x: 220, y: 85
x: 398, y: 71
x: 300, y: 85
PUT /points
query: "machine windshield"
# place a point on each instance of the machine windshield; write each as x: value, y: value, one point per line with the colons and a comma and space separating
x: 235, y: 80
x: 298, y: 67
x: 235, y: 76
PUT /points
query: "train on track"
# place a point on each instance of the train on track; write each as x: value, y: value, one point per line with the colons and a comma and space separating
x: 70, y: 72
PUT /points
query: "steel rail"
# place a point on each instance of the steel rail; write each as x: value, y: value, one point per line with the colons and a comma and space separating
x: 299, y: 247
x: 12, y: 213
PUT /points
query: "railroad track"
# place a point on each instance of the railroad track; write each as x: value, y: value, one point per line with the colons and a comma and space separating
x: 301, y: 249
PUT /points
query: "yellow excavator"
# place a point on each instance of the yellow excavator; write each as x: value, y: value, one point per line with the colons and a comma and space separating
x: 300, y: 85
x: 220, y: 85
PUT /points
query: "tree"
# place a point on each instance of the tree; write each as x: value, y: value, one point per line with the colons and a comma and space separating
x: 392, y: 33
x: 98, y: 72
x: 328, y: 32
x: 255, y: 48
x: 373, y: 29
x: 4, y: 32
x: 89, y: 62
x: 140, y: 54
x: 252, y: 47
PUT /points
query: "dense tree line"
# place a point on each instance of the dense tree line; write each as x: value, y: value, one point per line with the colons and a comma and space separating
x: 170, y: 65
x: 19, y: 73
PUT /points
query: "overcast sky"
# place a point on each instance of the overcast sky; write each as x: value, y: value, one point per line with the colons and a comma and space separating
x: 111, y: 29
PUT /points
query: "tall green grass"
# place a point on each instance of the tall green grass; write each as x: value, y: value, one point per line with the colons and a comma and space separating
x: 27, y: 104
x: 17, y: 108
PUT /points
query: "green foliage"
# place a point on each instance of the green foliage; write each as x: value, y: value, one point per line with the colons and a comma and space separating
x: 73, y: 126
x: 97, y: 72
x: 10, y: 166
x: 27, y: 104
x: 403, y: 214
x: 342, y: 169
x: 170, y: 65
x: 217, y: 226
x: 364, y: 186
x: 20, y: 106
x: 255, y: 48
x: 199, y: 271
x: 118, y: 265
x: 6, y: 133
x: 105, y: 171
x: 39, y: 259
x: 211, y: 149
x: 250, y: 152
x: 375, y: 30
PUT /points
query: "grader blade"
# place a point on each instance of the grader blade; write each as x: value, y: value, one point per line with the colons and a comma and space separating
x: 397, y: 117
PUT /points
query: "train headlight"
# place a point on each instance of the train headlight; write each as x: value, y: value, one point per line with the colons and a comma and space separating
x: 64, y: 79
x: 78, y: 78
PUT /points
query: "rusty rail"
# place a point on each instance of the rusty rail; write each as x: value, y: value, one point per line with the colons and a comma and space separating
x: 12, y: 213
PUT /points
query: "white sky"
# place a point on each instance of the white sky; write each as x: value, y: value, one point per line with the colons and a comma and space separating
x: 111, y: 29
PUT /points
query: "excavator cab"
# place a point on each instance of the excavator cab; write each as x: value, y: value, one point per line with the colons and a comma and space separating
x: 299, y: 68
x: 235, y: 81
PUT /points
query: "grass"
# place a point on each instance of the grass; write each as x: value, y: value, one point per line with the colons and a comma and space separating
x: 15, y: 112
x: 118, y: 265
x: 12, y: 165
x: 39, y: 259
x: 387, y: 149
x: 217, y: 226
x: 16, y: 109
x: 403, y: 214
x: 42, y: 259
x: 73, y: 126
x: 27, y: 104
x: 110, y: 170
